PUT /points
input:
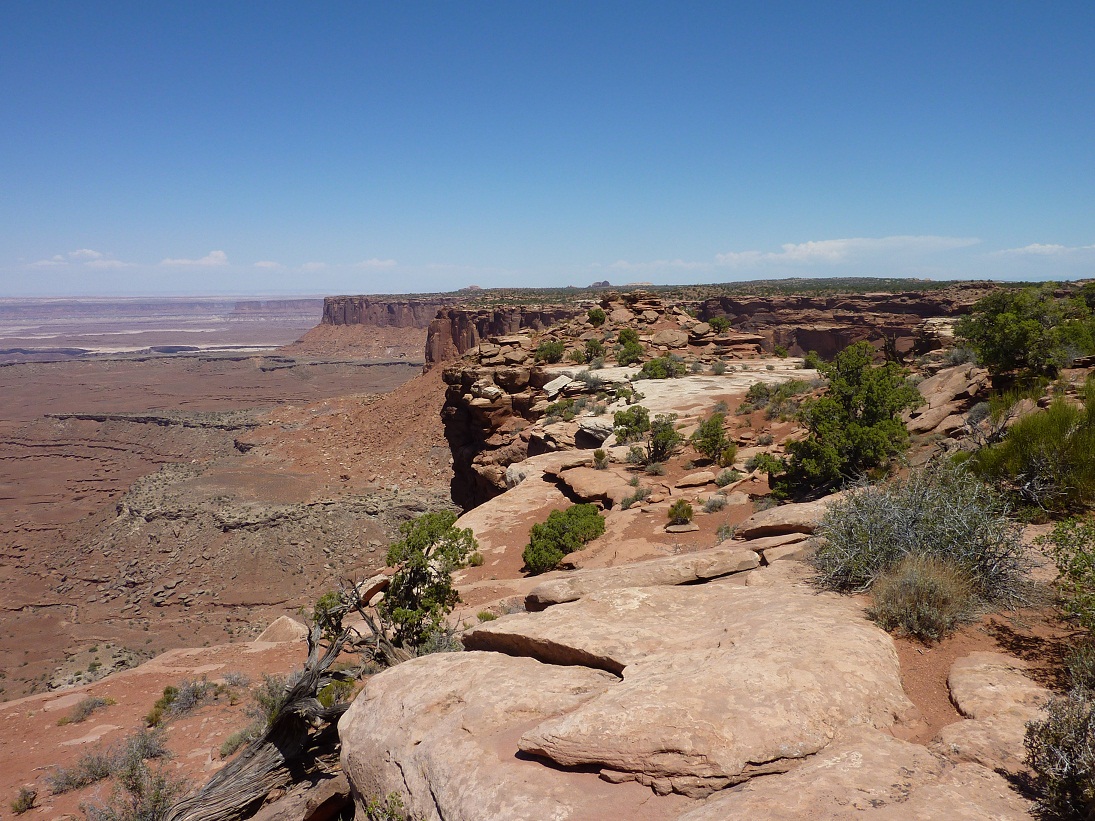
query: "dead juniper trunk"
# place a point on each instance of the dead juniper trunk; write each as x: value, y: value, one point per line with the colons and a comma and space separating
x: 302, y: 729
x: 299, y: 731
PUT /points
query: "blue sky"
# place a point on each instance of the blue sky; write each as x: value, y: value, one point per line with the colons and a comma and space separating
x: 360, y: 147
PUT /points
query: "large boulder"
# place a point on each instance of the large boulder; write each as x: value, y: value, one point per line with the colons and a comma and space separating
x: 870, y: 776
x: 997, y: 698
x: 441, y: 730
x: 592, y: 485
x: 684, y: 569
x: 671, y: 338
x: 793, y: 518
x: 716, y: 679
x: 284, y: 628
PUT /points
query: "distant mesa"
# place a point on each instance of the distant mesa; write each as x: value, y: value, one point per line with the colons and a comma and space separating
x: 472, y: 288
x: 604, y: 283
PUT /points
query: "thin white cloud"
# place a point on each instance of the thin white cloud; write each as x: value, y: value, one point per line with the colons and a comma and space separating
x: 107, y: 264
x: 1043, y: 250
x: 376, y: 263
x: 313, y: 266
x: 53, y: 262
x: 625, y: 265
x: 85, y: 256
x: 267, y: 263
x: 211, y: 260
x: 836, y: 251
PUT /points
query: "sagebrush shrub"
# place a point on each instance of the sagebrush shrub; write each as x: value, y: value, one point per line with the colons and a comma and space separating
x: 938, y: 511
x: 1060, y: 751
x: 1071, y: 545
x: 922, y: 596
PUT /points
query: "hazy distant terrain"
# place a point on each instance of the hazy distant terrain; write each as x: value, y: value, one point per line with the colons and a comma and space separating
x: 48, y: 328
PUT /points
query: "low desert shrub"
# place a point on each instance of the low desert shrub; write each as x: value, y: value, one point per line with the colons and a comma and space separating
x: 240, y: 737
x: 1045, y: 458
x: 724, y: 532
x: 98, y: 765
x: 718, y: 368
x: 654, y: 469
x: 1060, y: 751
x: 922, y: 596
x: 84, y: 708
x: 719, y: 324
x: 389, y: 808
x: 268, y: 697
x: 550, y: 351
x: 640, y: 494
x: 1080, y: 663
x: 486, y: 615
x: 577, y: 357
x: 939, y: 511
x: 780, y: 351
x: 600, y: 459
x: 564, y: 532
x: 597, y: 317
x: 714, y: 503
x: 680, y: 512
x: 1071, y: 545
x: 441, y: 639
x: 24, y: 801
x: 812, y: 360
x: 781, y: 400
x: 726, y: 477
x: 665, y: 439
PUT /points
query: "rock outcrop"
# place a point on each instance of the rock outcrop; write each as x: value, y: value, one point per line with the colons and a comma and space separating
x: 828, y: 324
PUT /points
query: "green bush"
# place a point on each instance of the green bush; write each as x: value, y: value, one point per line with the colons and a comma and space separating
x: 780, y: 351
x: 597, y: 317
x: 812, y: 360
x: 939, y: 511
x: 680, y: 512
x: 665, y: 439
x: 853, y: 427
x: 711, y: 440
x: 1060, y: 751
x: 629, y: 353
x: 595, y: 349
x: 631, y: 424
x: 776, y: 400
x: 1071, y: 545
x: 719, y: 324
x: 1027, y: 330
x: 600, y: 459
x: 663, y: 367
x: 922, y: 596
x: 628, y: 336
x: 1045, y: 458
x: 564, y: 532
x: 577, y: 357
x: 240, y: 737
x: 550, y: 351
x: 718, y: 368
x: 421, y: 592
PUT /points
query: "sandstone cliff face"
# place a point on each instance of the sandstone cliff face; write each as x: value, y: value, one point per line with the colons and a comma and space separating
x: 381, y: 313
x: 455, y: 331
x: 828, y: 324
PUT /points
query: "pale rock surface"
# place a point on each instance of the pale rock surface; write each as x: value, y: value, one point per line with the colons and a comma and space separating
x: 998, y: 700
x: 441, y: 731
x: 792, y: 518
x: 868, y: 775
x: 690, y: 567
x: 670, y: 337
x: 592, y: 485
x: 284, y: 628
x: 697, y: 479
x: 715, y: 677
